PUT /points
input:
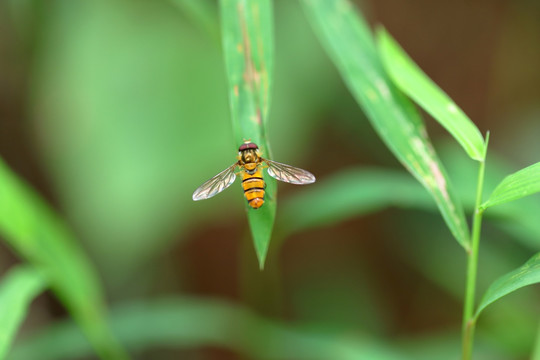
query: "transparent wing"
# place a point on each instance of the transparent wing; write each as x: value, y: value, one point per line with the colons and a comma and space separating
x: 216, y: 184
x: 288, y: 173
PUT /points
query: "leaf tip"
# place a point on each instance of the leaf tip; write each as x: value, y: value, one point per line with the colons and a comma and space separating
x: 380, y: 30
x: 261, y: 258
x: 384, y: 39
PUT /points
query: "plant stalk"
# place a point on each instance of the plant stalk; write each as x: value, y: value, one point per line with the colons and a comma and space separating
x: 469, y: 320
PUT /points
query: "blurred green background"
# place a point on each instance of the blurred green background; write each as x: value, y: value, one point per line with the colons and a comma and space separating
x: 115, y: 111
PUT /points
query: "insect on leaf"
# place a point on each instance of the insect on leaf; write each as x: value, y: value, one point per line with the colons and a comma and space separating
x: 17, y: 289
x: 248, y: 50
x: 527, y: 274
x: 350, y: 44
x: 515, y: 186
x: 35, y: 232
x: 418, y: 86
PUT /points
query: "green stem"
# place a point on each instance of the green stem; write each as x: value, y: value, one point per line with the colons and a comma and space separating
x: 469, y: 320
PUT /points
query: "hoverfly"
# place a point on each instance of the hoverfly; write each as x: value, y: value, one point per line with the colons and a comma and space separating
x: 250, y: 165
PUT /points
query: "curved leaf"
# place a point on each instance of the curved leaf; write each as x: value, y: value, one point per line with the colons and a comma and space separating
x: 248, y: 50
x: 350, y: 44
x: 201, y: 322
x: 18, y: 288
x: 30, y: 227
x: 523, y: 183
x: 417, y: 85
x: 527, y: 274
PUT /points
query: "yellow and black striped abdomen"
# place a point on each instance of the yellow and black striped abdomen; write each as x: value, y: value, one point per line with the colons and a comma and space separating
x: 253, y: 185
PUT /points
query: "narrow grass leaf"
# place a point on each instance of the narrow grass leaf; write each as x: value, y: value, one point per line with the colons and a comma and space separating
x: 523, y: 183
x: 418, y: 86
x: 200, y: 322
x: 249, y: 53
x: 527, y: 274
x: 350, y: 44
x: 17, y: 290
x: 350, y: 193
x: 36, y: 233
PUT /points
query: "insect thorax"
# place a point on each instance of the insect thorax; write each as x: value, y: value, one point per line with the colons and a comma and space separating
x: 248, y: 157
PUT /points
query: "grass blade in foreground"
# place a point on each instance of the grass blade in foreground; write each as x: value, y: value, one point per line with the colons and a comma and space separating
x: 35, y: 232
x: 350, y: 44
x: 416, y: 84
x: 249, y: 53
x: 17, y: 290
x: 527, y: 274
x: 515, y: 186
x: 202, y: 322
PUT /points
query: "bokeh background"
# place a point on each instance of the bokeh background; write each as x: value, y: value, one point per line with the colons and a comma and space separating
x: 115, y: 111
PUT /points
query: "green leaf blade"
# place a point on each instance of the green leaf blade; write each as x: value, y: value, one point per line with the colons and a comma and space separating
x: 527, y: 274
x: 522, y: 183
x: 418, y: 86
x: 201, y: 322
x: 36, y: 233
x: 349, y: 43
x: 249, y: 53
x: 17, y: 290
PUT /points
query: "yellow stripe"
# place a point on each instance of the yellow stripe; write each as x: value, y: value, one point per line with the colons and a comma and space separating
x: 257, y: 173
x: 253, y: 183
x: 252, y: 194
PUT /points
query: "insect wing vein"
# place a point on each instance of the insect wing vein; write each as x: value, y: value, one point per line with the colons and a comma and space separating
x: 290, y: 174
x: 216, y: 184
